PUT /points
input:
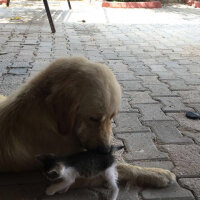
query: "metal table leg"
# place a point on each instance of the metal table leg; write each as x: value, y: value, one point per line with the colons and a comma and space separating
x: 8, y: 3
x: 49, y: 16
x: 69, y: 4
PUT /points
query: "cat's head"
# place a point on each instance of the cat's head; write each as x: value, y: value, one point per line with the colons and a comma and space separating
x: 50, y: 167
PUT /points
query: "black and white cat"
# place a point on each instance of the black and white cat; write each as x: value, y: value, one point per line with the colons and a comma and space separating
x: 86, y: 164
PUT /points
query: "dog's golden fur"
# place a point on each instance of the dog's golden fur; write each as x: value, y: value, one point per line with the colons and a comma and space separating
x: 67, y: 107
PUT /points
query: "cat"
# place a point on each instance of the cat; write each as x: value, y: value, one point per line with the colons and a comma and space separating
x: 85, y: 164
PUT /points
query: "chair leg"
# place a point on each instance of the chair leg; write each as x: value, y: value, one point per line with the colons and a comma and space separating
x: 69, y: 4
x: 8, y: 3
x: 49, y: 16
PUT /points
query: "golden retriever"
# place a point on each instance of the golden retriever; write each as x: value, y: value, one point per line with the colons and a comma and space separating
x: 68, y: 107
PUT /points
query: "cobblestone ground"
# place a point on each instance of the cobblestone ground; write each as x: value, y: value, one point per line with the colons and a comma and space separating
x: 155, y: 56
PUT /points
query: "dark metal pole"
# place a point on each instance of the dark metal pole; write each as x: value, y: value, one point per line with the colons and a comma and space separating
x: 49, y: 16
x: 8, y: 3
x: 69, y: 4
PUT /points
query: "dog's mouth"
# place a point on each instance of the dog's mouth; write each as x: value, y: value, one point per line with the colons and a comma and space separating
x: 101, y: 149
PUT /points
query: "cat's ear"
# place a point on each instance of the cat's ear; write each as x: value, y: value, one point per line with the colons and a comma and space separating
x: 45, y: 157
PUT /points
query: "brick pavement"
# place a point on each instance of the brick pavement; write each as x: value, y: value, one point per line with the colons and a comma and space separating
x: 155, y: 56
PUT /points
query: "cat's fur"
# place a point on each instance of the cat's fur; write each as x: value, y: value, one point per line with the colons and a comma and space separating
x: 86, y: 164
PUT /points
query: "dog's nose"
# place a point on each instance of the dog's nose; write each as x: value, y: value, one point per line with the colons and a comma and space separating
x: 104, y: 149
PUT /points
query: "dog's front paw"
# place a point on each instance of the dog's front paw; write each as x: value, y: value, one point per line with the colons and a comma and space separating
x: 50, y: 191
x: 163, y: 178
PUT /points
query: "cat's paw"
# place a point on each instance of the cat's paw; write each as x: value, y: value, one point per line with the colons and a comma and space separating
x: 50, y: 191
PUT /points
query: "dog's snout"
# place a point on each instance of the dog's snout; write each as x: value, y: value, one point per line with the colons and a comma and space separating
x: 104, y: 149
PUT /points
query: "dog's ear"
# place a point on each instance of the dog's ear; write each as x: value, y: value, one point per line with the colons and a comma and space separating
x: 63, y: 102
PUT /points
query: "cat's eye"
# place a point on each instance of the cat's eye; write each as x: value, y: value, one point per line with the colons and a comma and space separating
x: 95, y: 119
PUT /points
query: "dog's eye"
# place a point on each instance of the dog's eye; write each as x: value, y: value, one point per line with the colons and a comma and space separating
x: 94, y: 119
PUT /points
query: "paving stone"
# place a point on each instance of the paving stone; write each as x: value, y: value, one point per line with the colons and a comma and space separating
x: 3, y: 67
x: 180, y: 71
x: 24, y: 59
x: 131, y: 194
x: 13, y: 44
x: 18, y: 71
x: 191, y: 184
x: 193, y: 135
x: 40, y: 65
x: 185, y: 123
x: 150, y: 61
x: 129, y: 76
x: 158, y: 68
x: 119, y: 68
x: 167, y: 132
x: 27, y: 52
x: 8, y: 57
x: 173, y: 192
x: 160, y: 90
x: 143, y: 72
x: 191, y: 79
x: 21, y: 178
x: 84, y: 194
x: 125, y: 106
x: 125, y: 55
x: 140, y: 146
x: 132, y: 86
x: 173, y: 104
x: 152, y: 112
x: 154, y: 164
x: 178, y: 85
x: 10, y: 79
x: 172, y: 64
x: 124, y: 193
x: 41, y: 44
x: 111, y: 56
x: 195, y: 106
x: 190, y: 96
x: 153, y: 80
x: 140, y: 97
x: 28, y: 191
x: 11, y: 50
x: 166, y: 75
x: 131, y: 59
x: 7, y: 89
x: 193, y: 68
x: 21, y: 65
x: 185, y: 158
x: 10, y: 83
x: 129, y: 122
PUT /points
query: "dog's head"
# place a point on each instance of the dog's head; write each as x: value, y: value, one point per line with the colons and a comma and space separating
x: 84, y: 99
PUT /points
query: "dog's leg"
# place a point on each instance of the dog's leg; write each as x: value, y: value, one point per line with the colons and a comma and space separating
x: 111, y: 176
x: 155, y: 177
